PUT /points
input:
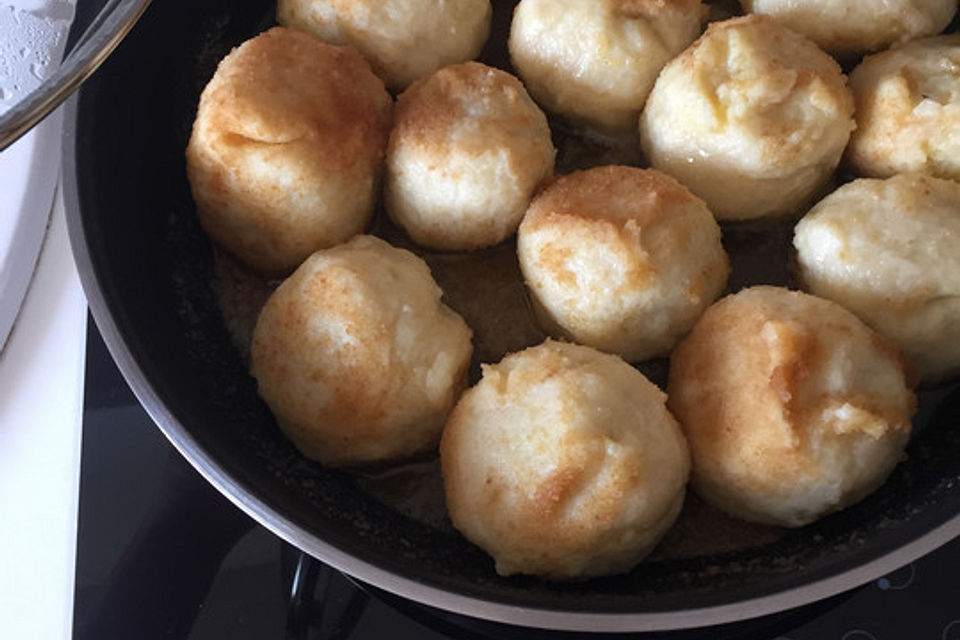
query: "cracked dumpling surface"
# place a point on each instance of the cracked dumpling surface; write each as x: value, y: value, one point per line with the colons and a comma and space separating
x: 357, y: 356
x: 752, y: 117
x: 563, y: 462
x: 889, y: 250
x: 287, y: 148
x: 792, y: 406
x: 594, y: 62
x: 402, y: 39
x: 850, y: 27
x: 621, y: 259
x: 908, y: 110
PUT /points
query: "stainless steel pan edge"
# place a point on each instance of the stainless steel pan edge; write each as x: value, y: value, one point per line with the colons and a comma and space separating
x: 399, y: 584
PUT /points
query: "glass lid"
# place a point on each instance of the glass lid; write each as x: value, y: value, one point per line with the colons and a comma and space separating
x: 48, y: 48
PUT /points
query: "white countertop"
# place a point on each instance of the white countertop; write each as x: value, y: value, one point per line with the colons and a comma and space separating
x: 42, y: 341
x: 33, y: 35
x: 41, y: 395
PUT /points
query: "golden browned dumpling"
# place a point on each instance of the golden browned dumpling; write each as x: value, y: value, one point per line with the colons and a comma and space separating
x: 793, y: 407
x: 621, y: 259
x: 403, y: 39
x: 889, y: 250
x: 594, y: 61
x: 752, y: 117
x: 851, y: 27
x: 357, y: 357
x: 908, y: 110
x: 467, y: 150
x: 287, y: 148
x: 563, y: 462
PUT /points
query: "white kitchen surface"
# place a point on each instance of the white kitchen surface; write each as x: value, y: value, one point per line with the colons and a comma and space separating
x: 33, y: 34
x: 41, y: 394
x: 29, y: 169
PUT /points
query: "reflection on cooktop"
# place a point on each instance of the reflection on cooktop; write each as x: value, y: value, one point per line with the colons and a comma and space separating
x: 163, y: 555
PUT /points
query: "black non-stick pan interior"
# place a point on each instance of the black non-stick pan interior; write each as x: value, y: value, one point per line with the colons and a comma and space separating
x: 149, y: 271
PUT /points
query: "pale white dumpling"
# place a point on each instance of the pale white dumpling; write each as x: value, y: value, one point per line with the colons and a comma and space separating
x: 752, y: 117
x: 621, y: 259
x: 850, y: 27
x: 403, y: 39
x: 563, y: 462
x: 357, y: 357
x: 908, y: 110
x: 287, y: 148
x: 889, y: 250
x: 595, y: 62
x: 467, y: 151
x: 792, y: 406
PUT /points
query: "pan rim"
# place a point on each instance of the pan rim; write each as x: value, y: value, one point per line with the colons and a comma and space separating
x: 406, y: 587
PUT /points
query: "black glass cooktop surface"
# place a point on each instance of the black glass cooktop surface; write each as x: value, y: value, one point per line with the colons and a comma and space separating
x: 161, y: 554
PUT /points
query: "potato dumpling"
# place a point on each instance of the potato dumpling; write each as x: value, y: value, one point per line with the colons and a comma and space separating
x: 847, y: 28
x: 467, y: 150
x: 908, y: 110
x: 793, y: 407
x: 594, y: 62
x: 889, y: 250
x: 357, y: 357
x: 752, y: 117
x: 563, y: 462
x: 403, y: 39
x: 287, y: 148
x: 621, y: 259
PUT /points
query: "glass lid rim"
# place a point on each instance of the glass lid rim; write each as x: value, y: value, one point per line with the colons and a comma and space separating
x: 105, y: 32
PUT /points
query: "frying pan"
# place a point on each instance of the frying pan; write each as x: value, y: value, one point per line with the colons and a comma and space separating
x: 148, y: 272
